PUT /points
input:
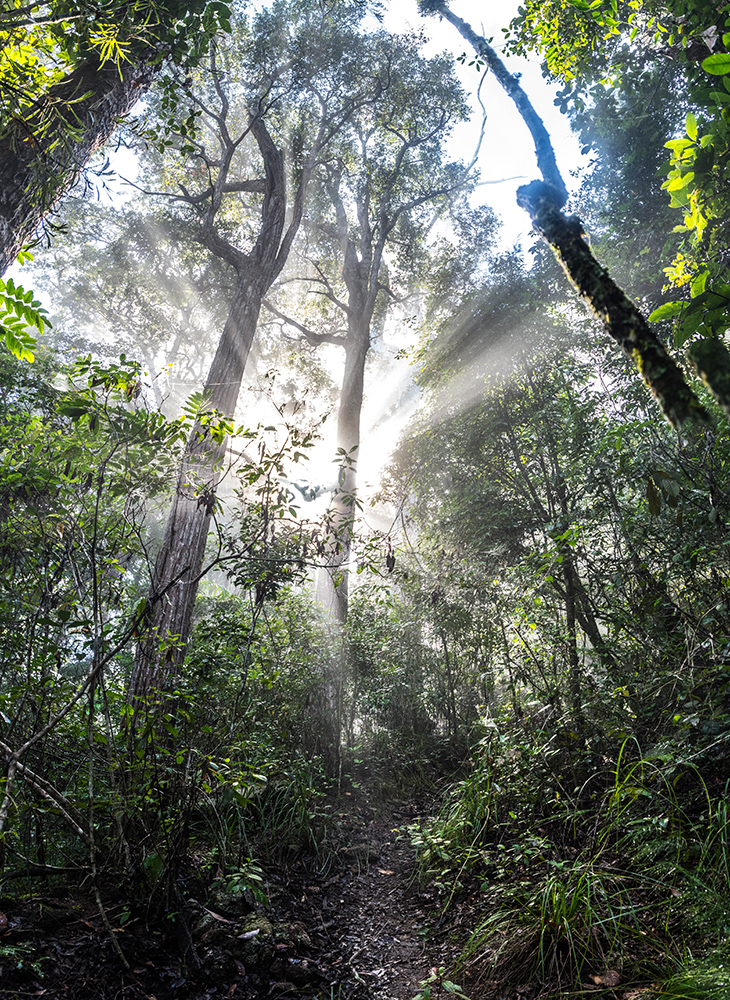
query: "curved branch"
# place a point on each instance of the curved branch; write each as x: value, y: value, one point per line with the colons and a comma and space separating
x: 544, y: 201
x: 309, y: 335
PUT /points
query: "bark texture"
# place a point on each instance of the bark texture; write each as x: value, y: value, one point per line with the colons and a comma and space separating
x: 620, y: 317
x: 179, y: 564
x: 43, y: 156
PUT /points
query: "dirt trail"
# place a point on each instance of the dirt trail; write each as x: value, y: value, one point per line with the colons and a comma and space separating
x: 368, y: 918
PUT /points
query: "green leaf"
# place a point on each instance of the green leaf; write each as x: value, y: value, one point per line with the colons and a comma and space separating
x: 654, y: 497
x: 699, y: 282
x: 718, y: 64
x: 679, y: 183
x: 666, y: 311
x: 19, y: 342
x: 691, y: 124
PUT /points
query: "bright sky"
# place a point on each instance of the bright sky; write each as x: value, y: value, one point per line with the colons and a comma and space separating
x: 507, y: 150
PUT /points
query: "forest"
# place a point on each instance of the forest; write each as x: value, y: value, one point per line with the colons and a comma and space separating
x: 365, y: 499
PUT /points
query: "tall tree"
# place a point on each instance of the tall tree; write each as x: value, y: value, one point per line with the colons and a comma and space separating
x: 304, y: 62
x: 380, y: 192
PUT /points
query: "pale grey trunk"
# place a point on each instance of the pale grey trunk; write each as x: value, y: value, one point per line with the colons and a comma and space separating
x: 332, y: 581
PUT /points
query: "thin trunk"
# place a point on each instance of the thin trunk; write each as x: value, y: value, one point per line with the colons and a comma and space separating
x: 332, y: 584
x: 574, y: 678
x: 332, y: 579
x: 450, y: 692
x: 43, y: 156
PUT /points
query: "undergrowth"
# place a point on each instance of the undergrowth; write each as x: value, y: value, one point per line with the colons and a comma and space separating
x: 581, y: 869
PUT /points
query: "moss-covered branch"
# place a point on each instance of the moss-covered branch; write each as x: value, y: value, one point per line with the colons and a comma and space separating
x: 544, y: 201
x: 620, y: 317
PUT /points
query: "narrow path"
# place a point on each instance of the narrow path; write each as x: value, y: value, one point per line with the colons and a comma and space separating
x: 367, y: 920
x: 352, y: 927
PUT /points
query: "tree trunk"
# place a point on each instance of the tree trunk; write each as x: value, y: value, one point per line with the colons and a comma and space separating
x: 179, y: 564
x: 451, y: 718
x: 332, y: 579
x: 43, y: 156
x: 574, y: 678
x: 332, y: 583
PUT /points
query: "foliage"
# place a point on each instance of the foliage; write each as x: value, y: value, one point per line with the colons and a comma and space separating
x: 41, y: 43
x: 571, y: 35
x: 137, y: 283
x: 510, y: 499
x: 437, y: 985
x: 549, y: 632
x: 80, y: 466
x: 567, y: 885
x: 20, y: 313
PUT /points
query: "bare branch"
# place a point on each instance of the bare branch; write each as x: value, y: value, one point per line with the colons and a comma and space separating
x: 309, y: 335
x: 511, y: 85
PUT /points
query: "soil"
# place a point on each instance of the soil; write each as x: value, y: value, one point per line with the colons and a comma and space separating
x: 350, y: 925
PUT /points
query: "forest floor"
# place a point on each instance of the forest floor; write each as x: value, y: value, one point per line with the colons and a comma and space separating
x: 354, y: 928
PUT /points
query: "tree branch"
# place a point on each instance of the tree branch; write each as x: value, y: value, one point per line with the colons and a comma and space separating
x: 609, y: 303
x: 511, y: 85
x: 309, y: 335
x: 544, y: 201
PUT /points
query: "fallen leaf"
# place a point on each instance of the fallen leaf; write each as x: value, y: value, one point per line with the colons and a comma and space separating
x: 217, y: 916
x: 384, y: 871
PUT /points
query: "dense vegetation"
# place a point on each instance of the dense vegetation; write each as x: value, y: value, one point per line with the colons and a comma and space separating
x: 527, y: 629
